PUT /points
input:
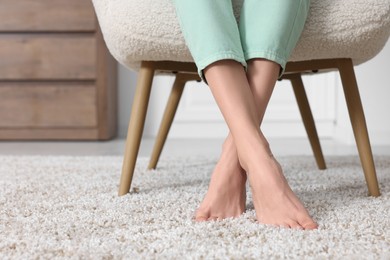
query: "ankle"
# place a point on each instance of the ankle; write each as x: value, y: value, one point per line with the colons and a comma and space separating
x: 253, y: 150
x: 229, y: 151
x: 228, y: 143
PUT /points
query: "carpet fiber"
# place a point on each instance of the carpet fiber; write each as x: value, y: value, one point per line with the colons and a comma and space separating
x: 67, y: 207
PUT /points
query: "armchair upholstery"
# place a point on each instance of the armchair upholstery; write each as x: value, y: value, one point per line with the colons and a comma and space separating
x: 137, y: 30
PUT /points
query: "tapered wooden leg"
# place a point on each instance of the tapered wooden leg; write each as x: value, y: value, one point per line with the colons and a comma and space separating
x: 358, y: 121
x: 307, y: 118
x: 169, y: 114
x: 136, y: 124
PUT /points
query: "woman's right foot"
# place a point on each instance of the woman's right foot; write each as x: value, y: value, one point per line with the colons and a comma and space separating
x: 275, y: 203
x: 226, y: 195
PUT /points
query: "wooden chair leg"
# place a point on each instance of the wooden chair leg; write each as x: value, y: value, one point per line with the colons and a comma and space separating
x: 169, y: 114
x: 358, y: 121
x: 136, y: 125
x: 307, y: 118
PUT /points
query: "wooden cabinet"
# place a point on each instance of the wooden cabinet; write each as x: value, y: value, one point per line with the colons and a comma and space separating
x: 57, y: 78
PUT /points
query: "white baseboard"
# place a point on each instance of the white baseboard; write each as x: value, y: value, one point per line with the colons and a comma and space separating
x: 345, y: 135
x: 220, y: 130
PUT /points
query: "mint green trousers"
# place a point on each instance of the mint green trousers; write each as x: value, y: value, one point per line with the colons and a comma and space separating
x: 267, y: 29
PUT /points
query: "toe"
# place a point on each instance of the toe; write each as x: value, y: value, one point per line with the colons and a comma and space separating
x: 308, y: 224
x: 200, y: 218
x: 306, y: 221
x: 272, y: 225
x: 284, y: 225
x: 213, y: 218
x: 295, y: 225
x: 311, y: 225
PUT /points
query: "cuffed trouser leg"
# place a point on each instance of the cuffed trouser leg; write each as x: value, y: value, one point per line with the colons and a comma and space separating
x: 210, y: 31
x: 270, y: 29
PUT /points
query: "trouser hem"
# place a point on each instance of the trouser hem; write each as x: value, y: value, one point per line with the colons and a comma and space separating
x: 201, y: 65
x: 269, y: 55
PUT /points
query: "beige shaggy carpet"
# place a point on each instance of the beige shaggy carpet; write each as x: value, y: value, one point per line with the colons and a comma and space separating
x: 67, y: 207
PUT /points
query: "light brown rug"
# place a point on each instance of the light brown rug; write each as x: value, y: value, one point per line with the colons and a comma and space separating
x: 67, y: 207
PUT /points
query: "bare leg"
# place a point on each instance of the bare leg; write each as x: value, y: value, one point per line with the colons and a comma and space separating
x: 274, y: 201
x: 226, y: 194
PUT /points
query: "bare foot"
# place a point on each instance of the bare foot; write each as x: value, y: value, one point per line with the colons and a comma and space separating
x: 226, y: 195
x: 275, y: 203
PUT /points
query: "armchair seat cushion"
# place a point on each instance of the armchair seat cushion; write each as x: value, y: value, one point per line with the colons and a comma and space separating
x: 136, y: 30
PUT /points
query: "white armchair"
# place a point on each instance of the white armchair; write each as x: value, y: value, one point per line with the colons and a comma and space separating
x: 145, y: 36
